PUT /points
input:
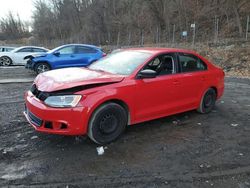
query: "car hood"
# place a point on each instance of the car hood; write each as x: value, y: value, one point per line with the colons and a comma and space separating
x: 66, y: 78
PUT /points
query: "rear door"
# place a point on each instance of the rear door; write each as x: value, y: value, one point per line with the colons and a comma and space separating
x: 192, y: 73
x: 20, y: 54
x: 85, y: 55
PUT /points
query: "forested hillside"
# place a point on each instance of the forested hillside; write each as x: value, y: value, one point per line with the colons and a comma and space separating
x: 134, y: 22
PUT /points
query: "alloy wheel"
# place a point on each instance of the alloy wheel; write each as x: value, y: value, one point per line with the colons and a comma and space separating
x: 5, y: 61
x: 42, y: 68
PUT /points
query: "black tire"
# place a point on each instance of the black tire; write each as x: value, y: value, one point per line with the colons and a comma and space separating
x: 107, y: 123
x: 42, y: 67
x: 208, y: 101
x: 5, y: 61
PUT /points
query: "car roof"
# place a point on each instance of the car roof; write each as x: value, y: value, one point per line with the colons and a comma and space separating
x: 65, y: 45
x: 16, y: 49
x: 30, y: 47
x: 86, y: 45
x: 153, y: 50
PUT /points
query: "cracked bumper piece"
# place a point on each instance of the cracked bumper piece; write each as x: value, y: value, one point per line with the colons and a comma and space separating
x: 64, y: 121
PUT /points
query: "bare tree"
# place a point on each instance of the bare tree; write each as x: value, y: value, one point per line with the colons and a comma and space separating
x: 125, y: 22
x: 12, y: 28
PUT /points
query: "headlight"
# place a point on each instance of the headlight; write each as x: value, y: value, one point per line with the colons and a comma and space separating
x: 63, y: 101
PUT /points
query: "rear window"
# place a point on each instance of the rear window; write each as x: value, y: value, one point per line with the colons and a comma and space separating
x: 85, y: 50
x: 38, y: 50
x: 25, y: 50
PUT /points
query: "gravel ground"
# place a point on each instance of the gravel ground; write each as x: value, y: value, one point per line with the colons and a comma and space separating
x: 15, y: 72
x: 185, y: 150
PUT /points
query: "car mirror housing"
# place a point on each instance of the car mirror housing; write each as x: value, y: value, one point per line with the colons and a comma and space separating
x: 147, y: 73
x: 56, y: 53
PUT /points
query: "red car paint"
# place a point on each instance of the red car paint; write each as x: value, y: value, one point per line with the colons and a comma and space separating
x: 72, y: 77
x: 146, y: 99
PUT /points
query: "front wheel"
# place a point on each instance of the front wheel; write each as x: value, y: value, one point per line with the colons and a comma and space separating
x: 42, y: 67
x: 207, y: 102
x: 5, y: 61
x: 107, y: 123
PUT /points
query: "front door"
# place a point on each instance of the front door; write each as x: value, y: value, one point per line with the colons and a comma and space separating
x: 65, y: 58
x: 155, y: 97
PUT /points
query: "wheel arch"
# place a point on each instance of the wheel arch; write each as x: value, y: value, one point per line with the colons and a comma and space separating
x: 207, y: 88
x: 200, y: 97
x: 42, y: 61
x: 215, y: 89
x: 102, y: 106
x: 199, y: 108
x: 4, y: 55
x: 120, y: 102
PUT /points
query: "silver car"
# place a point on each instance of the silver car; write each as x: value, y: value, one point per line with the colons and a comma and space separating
x: 16, y: 56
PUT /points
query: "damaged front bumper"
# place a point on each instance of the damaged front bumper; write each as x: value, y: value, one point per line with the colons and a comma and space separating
x: 63, y: 121
x: 29, y: 64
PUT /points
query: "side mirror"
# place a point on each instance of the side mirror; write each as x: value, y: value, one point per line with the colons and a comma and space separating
x: 147, y: 73
x: 56, y: 53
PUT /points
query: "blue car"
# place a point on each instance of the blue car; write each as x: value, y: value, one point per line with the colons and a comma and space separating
x: 71, y: 55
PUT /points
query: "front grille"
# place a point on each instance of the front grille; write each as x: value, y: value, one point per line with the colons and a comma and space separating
x: 39, y: 94
x: 34, y: 119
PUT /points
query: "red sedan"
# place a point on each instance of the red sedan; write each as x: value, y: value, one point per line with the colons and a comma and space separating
x: 124, y: 88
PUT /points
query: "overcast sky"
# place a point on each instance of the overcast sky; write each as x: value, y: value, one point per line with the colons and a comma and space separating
x: 22, y: 7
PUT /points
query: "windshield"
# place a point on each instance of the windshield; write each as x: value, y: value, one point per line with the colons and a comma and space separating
x: 55, y: 49
x: 124, y: 62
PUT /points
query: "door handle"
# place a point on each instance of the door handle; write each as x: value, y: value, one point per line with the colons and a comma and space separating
x: 203, y: 78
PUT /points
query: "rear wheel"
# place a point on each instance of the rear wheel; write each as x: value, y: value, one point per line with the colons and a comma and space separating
x: 42, y: 67
x: 207, y: 102
x: 5, y: 61
x: 107, y: 123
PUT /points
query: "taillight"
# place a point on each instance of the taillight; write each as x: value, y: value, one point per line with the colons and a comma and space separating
x: 104, y: 54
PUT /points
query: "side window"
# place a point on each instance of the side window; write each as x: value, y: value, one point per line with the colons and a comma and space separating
x: 67, y: 50
x: 8, y: 49
x: 38, y: 50
x: 84, y: 50
x: 25, y: 50
x: 191, y: 63
x: 163, y: 64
